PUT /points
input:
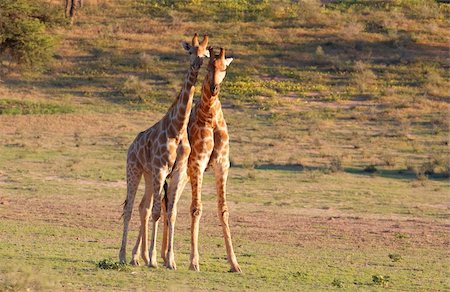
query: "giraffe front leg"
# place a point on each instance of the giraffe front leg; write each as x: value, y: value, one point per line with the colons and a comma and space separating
x: 196, y: 177
x: 221, y: 174
x: 158, y: 182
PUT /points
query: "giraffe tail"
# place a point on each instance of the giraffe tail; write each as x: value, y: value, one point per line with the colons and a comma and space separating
x: 124, y: 204
x: 165, y: 200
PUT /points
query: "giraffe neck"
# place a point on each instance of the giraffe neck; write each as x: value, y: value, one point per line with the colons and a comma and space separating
x: 178, y: 115
x: 207, y: 104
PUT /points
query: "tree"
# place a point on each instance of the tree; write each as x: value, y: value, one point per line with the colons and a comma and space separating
x: 24, y: 38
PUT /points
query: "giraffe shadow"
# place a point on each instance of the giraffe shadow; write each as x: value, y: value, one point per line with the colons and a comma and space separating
x: 294, y: 167
x: 401, y: 174
x: 284, y: 167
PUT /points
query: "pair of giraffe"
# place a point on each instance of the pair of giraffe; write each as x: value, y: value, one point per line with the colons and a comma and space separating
x: 166, y: 151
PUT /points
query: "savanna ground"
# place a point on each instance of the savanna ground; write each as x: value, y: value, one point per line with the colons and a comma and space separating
x: 338, y: 117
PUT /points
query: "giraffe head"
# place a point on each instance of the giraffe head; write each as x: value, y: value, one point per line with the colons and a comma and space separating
x: 217, y: 69
x: 197, y: 50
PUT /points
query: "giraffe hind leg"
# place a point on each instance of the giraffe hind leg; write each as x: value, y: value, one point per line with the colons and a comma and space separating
x: 165, y: 222
x: 176, y: 187
x: 221, y: 175
x: 158, y: 184
x: 133, y: 178
x: 196, y: 176
x: 141, y: 247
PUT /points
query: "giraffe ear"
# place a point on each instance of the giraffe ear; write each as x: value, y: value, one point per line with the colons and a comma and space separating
x: 228, y: 61
x: 186, y: 46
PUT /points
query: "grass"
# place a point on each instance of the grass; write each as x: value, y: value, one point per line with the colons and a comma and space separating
x: 338, y: 118
x: 18, y: 107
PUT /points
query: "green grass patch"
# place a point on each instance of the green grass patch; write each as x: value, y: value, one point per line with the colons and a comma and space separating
x: 22, y: 107
x: 109, y: 264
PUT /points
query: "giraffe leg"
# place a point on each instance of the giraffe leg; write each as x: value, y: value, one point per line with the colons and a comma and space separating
x: 141, y: 247
x: 133, y: 178
x: 158, y: 182
x: 165, y: 223
x: 221, y: 174
x: 137, y: 249
x: 176, y: 187
x: 196, y: 176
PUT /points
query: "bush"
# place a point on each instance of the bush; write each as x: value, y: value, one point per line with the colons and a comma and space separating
x: 424, y: 9
x: 109, y: 264
x: 381, y: 280
x: 134, y: 89
x: 364, y: 78
x: 23, y: 35
x: 370, y: 169
x: 336, y: 164
x: 434, y: 84
x: 308, y: 11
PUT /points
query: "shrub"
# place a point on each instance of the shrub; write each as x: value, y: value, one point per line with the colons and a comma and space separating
x: 364, y: 79
x: 395, y: 257
x: 352, y: 30
x: 109, y: 264
x: 23, y: 35
x: 381, y: 280
x: 320, y: 54
x: 424, y: 9
x: 336, y: 164
x: 135, y: 89
x: 433, y: 83
x: 370, y: 169
x: 337, y: 283
x: 389, y: 159
x: 436, y: 164
x: 310, y: 10
x: 146, y: 61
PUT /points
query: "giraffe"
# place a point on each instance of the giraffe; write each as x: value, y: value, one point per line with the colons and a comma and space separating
x: 208, y: 136
x: 158, y: 153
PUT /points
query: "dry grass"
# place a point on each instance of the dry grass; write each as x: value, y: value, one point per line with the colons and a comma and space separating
x: 338, y: 116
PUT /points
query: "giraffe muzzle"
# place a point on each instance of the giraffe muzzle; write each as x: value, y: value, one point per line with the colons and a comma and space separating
x: 197, y: 63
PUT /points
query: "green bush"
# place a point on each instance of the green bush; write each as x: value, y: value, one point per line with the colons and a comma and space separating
x: 23, y: 35
x: 109, y: 264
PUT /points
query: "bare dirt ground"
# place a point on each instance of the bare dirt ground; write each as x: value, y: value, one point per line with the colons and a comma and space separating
x: 304, y: 227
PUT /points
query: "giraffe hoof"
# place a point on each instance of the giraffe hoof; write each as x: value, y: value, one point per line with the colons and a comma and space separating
x: 122, y: 257
x: 235, y: 269
x: 171, y: 266
x: 194, y: 267
x: 134, y: 263
x: 153, y: 265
